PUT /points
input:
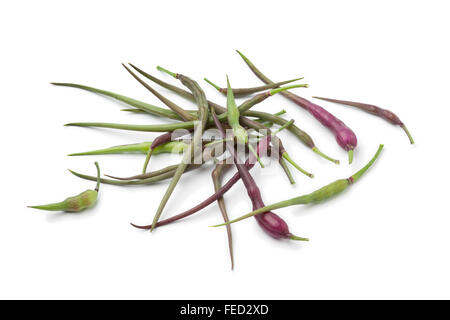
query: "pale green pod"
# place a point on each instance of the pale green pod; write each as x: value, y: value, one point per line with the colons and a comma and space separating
x: 82, y: 201
x: 323, y: 193
x: 330, y: 190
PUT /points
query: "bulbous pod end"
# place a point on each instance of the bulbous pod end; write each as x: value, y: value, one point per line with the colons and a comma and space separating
x: 273, y: 225
x: 84, y: 200
x: 77, y: 203
x: 346, y: 138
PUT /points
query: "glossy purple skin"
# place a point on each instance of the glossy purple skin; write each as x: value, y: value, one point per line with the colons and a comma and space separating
x: 273, y: 225
x: 345, y: 137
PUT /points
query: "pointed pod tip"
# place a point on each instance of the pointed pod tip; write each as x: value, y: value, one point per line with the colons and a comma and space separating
x: 217, y: 225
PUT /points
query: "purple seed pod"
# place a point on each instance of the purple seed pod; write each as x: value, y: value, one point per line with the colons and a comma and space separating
x: 380, y: 112
x: 345, y: 137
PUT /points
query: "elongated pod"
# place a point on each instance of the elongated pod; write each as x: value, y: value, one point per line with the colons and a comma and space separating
x: 317, y: 196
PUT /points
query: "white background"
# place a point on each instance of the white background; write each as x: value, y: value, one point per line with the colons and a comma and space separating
x: 386, y: 237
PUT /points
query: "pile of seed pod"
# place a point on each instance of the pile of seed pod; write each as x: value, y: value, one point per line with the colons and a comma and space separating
x: 242, y: 137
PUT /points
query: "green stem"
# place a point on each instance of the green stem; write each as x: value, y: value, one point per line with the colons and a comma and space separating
x: 147, y: 159
x: 355, y: 177
x: 350, y: 156
x: 286, y: 170
x: 213, y: 84
x: 407, y: 132
x: 250, y: 147
x: 292, y: 237
x: 284, y: 126
x: 218, y: 141
x: 278, y: 90
x: 167, y: 71
x: 324, y: 155
x: 288, y: 158
x: 248, y: 91
x: 97, y: 187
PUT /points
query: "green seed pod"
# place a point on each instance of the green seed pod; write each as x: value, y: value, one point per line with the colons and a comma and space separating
x: 327, y: 192
x: 84, y: 200
x: 319, y: 195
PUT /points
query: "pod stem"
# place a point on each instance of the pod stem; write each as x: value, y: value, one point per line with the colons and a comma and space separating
x: 284, y: 126
x: 175, y: 75
x: 350, y: 156
x: 250, y: 147
x: 277, y: 90
x: 97, y: 186
x: 286, y: 170
x: 293, y: 237
x: 407, y: 133
x: 147, y: 159
x: 209, y: 144
x: 288, y: 158
x: 213, y: 84
x: 355, y: 177
x: 320, y: 153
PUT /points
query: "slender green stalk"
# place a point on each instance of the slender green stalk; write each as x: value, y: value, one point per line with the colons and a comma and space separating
x: 284, y: 126
x: 324, y: 155
x: 97, y: 186
x: 247, y: 91
x: 407, y: 133
x: 317, y: 196
x: 286, y: 170
x: 278, y: 90
x: 288, y: 158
